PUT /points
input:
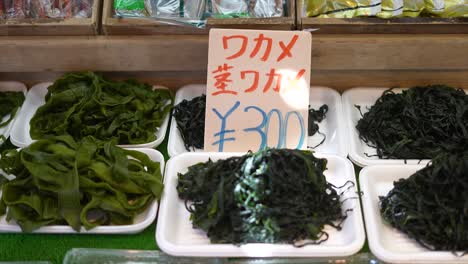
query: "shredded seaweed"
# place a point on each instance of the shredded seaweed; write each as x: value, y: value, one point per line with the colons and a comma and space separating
x: 190, y: 118
x: 418, y: 123
x: 10, y: 103
x: 272, y: 196
x: 85, y: 104
x: 431, y: 205
x: 62, y: 182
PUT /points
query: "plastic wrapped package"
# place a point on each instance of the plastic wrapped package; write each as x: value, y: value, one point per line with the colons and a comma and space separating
x: 38, y: 8
x: 178, y: 10
x: 83, y: 9
x: 412, y: 8
x: 266, y: 8
x: 195, y: 12
x: 2, y: 9
x: 194, y: 9
x: 163, y: 8
x: 341, y: 8
x: 67, y: 8
x: 455, y: 8
x: 228, y: 8
x: 245, y: 8
x: 391, y: 8
x: 434, y: 6
x: 130, y: 8
x: 16, y: 9
x: 43, y: 9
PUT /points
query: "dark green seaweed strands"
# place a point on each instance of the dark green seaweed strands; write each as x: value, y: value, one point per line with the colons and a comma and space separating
x: 85, y: 104
x: 10, y: 102
x: 190, y: 118
x: 418, y: 123
x: 431, y: 206
x: 91, y: 183
x: 272, y: 196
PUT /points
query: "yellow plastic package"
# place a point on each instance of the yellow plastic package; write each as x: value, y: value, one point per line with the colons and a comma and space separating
x: 434, y: 7
x: 341, y: 8
x: 391, y: 8
x: 455, y: 8
x: 412, y: 8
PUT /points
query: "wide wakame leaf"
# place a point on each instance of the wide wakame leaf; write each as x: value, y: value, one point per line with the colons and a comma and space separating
x: 85, y: 104
x: 91, y: 183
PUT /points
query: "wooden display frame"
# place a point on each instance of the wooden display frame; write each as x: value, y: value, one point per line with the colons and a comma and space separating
x: 143, y: 26
x: 374, y: 25
x: 54, y: 27
x: 339, y: 61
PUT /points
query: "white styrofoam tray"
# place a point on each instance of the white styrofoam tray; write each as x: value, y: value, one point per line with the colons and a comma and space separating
x: 365, y: 97
x: 141, y: 221
x: 387, y: 243
x: 36, y: 98
x: 332, y: 126
x: 176, y: 236
x: 10, y: 87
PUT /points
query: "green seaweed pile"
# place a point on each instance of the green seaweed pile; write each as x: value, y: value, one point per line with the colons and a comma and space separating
x: 88, y: 183
x: 190, y: 118
x: 85, y: 104
x: 418, y: 123
x: 10, y: 103
x: 431, y: 206
x: 272, y: 196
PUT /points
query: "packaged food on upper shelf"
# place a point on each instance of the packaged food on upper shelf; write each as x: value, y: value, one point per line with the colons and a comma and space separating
x: 49, y: 17
x: 384, y: 8
x: 35, y: 9
x: 195, y: 17
x: 197, y: 11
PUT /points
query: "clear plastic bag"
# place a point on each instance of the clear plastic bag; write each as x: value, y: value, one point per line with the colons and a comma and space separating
x: 194, y: 9
x: 177, y: 12
x: 163, y: 8
x: 228, y: 8
x: 246, y: 8
x: 267, y: 8
x: 176, y: 9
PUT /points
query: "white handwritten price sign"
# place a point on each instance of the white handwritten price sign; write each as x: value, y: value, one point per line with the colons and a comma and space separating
x: 257, y: 90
